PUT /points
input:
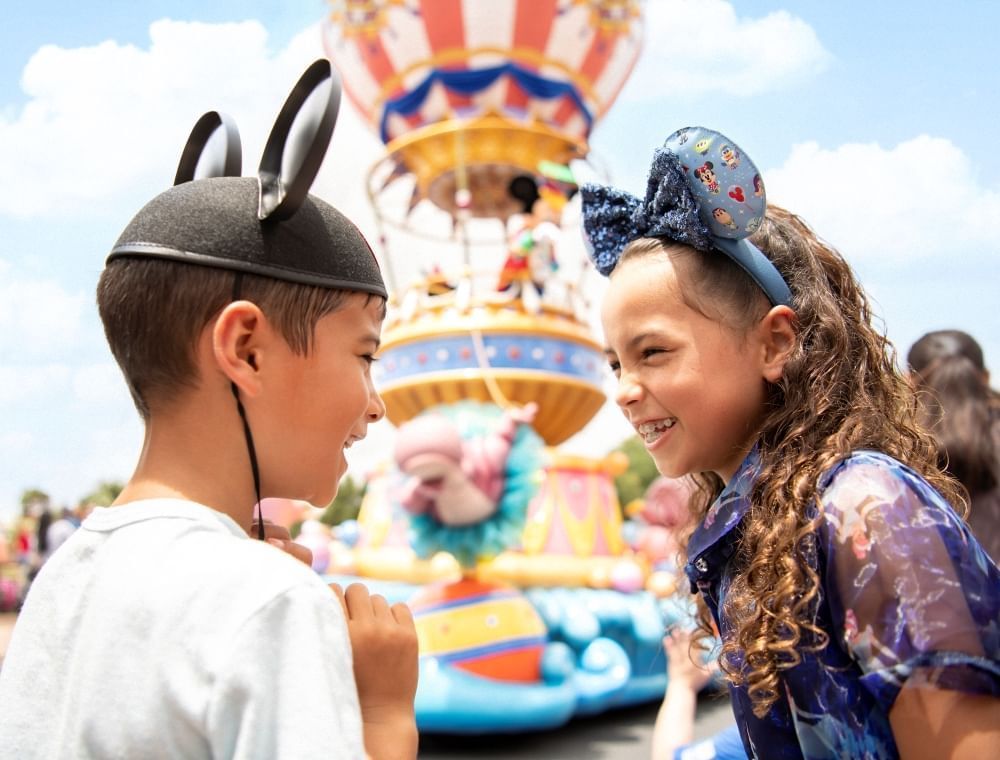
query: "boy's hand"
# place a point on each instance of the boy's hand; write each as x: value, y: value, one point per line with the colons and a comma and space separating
x: 384, y: 642
x: 278, y: 536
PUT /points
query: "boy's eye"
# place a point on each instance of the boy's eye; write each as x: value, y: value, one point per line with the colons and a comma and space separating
x: 615, y: 366
x: 647, y: 352
x: 369, y: 358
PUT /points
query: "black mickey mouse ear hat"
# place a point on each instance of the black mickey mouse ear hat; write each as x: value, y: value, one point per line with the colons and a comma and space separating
x: 269, y: 225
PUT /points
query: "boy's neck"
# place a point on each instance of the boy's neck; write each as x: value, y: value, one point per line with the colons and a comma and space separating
x: 198, y: 453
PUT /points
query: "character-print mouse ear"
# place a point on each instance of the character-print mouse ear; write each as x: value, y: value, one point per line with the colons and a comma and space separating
x: 285, y: 176
x: 731, y: 199
x: 723, y: 179
x: 226, y: 163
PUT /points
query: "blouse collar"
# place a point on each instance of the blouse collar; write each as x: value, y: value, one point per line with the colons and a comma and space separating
x: 724, y: 515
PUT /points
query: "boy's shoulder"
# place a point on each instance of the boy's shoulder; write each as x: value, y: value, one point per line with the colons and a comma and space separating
x: 180, y: 574
x: 188, y: 550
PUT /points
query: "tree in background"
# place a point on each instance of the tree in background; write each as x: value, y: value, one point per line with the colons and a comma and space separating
x: 34, y: 502
x: 104, y: 494
x: 346, y: 504
x: 632, y: 483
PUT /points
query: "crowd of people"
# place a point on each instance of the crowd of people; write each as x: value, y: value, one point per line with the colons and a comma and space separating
x: 28, y: 541
x: 827, y: 546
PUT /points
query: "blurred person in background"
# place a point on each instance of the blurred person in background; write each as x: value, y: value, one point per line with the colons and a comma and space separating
x: 963, y: 413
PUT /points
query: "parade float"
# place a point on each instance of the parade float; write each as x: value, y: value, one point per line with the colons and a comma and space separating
x: 531, y: 606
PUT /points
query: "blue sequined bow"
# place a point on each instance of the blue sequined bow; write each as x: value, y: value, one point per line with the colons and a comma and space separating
x: 613, y: 218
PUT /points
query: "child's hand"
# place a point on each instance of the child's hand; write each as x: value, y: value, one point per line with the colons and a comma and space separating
x: 278, y: 536
x: 681, y: 665
x: 384, y: 642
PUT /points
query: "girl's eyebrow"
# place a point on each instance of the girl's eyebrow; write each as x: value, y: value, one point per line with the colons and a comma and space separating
x: 634, y: 341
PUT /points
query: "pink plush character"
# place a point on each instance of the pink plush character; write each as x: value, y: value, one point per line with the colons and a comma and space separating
x: 455, y: 481
x: 664, y: 512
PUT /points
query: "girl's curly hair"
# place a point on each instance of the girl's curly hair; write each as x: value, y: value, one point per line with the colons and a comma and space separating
x: 840, y: 391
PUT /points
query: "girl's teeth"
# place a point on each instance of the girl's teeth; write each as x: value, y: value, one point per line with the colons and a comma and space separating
x: 651, y: 432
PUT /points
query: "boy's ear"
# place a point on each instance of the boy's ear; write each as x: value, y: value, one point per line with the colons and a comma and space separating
x: 777, y: 333
x: 237, y: 338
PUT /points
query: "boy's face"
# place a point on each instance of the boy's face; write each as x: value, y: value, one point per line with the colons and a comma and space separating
x: 692, y: 387
x: 321, y: 403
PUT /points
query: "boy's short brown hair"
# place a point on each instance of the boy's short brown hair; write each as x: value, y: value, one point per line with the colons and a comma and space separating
x: 153, y: 311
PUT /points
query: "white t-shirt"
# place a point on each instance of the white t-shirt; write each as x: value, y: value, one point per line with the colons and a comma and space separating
x: 161, y: 630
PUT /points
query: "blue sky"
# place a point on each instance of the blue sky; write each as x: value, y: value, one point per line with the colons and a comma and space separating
x: 876, y: 121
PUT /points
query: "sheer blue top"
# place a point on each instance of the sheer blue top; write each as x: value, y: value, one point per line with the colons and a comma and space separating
x: 908, y: 598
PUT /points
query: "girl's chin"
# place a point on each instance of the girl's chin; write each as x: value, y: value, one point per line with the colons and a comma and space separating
x: 670, y: 467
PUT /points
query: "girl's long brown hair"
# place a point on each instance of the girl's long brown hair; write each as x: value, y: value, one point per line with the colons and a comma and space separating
x: 841, y: 391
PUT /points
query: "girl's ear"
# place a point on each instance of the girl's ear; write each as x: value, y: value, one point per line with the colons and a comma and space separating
x: 777, y: 332
x: 238, y: 335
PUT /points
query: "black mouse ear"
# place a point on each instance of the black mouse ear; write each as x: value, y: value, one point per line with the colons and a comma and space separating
x: 228, y: 164
x: 285, y: 179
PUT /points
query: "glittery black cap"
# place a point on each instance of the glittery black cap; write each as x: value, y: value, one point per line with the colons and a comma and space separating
x: 268, y: 225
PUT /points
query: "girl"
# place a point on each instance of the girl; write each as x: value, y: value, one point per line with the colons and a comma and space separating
x: 859, y: 617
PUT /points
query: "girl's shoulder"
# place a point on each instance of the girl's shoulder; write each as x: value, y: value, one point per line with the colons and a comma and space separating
x: 869, y: 487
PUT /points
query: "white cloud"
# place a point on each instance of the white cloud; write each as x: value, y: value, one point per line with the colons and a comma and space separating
x: 701, y: 47
x: 917, y: 201
x: 110, y: 120
x: 21, y: 384
x: 100, y: 384
x: 37, y: 317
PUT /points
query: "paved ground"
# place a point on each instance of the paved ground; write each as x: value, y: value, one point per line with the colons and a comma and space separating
x: 620, y: 735
x: 616, y: 735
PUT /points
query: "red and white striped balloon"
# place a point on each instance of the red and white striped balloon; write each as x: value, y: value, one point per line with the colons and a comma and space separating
x: 386, y: 49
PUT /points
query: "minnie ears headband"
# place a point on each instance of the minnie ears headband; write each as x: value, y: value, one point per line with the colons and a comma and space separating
x: 702, y: 191
x: 268, y: 225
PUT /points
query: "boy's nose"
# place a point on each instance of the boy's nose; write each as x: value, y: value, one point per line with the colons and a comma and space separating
x: 376, y: 407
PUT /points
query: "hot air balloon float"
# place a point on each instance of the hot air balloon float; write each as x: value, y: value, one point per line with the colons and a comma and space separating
x: 530, y: 606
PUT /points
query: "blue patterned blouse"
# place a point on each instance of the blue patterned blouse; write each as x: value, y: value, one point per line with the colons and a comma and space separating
x: 908, y: 598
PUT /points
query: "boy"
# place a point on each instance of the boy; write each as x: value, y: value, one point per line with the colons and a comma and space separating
x: 160, y: 629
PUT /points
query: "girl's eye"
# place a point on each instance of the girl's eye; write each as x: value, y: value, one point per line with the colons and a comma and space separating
x: 615, y: 367
x: 369, y: 359
x: 648, y: 352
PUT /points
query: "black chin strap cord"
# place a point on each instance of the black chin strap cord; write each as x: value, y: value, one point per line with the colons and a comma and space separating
x: 237, y: 282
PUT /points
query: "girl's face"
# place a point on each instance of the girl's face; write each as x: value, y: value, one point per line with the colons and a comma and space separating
x: 692, y: 387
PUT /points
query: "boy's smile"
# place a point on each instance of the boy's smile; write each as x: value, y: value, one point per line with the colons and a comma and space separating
x: 691, y: 386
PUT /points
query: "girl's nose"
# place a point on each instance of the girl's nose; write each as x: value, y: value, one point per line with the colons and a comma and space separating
x: 628, y: 391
